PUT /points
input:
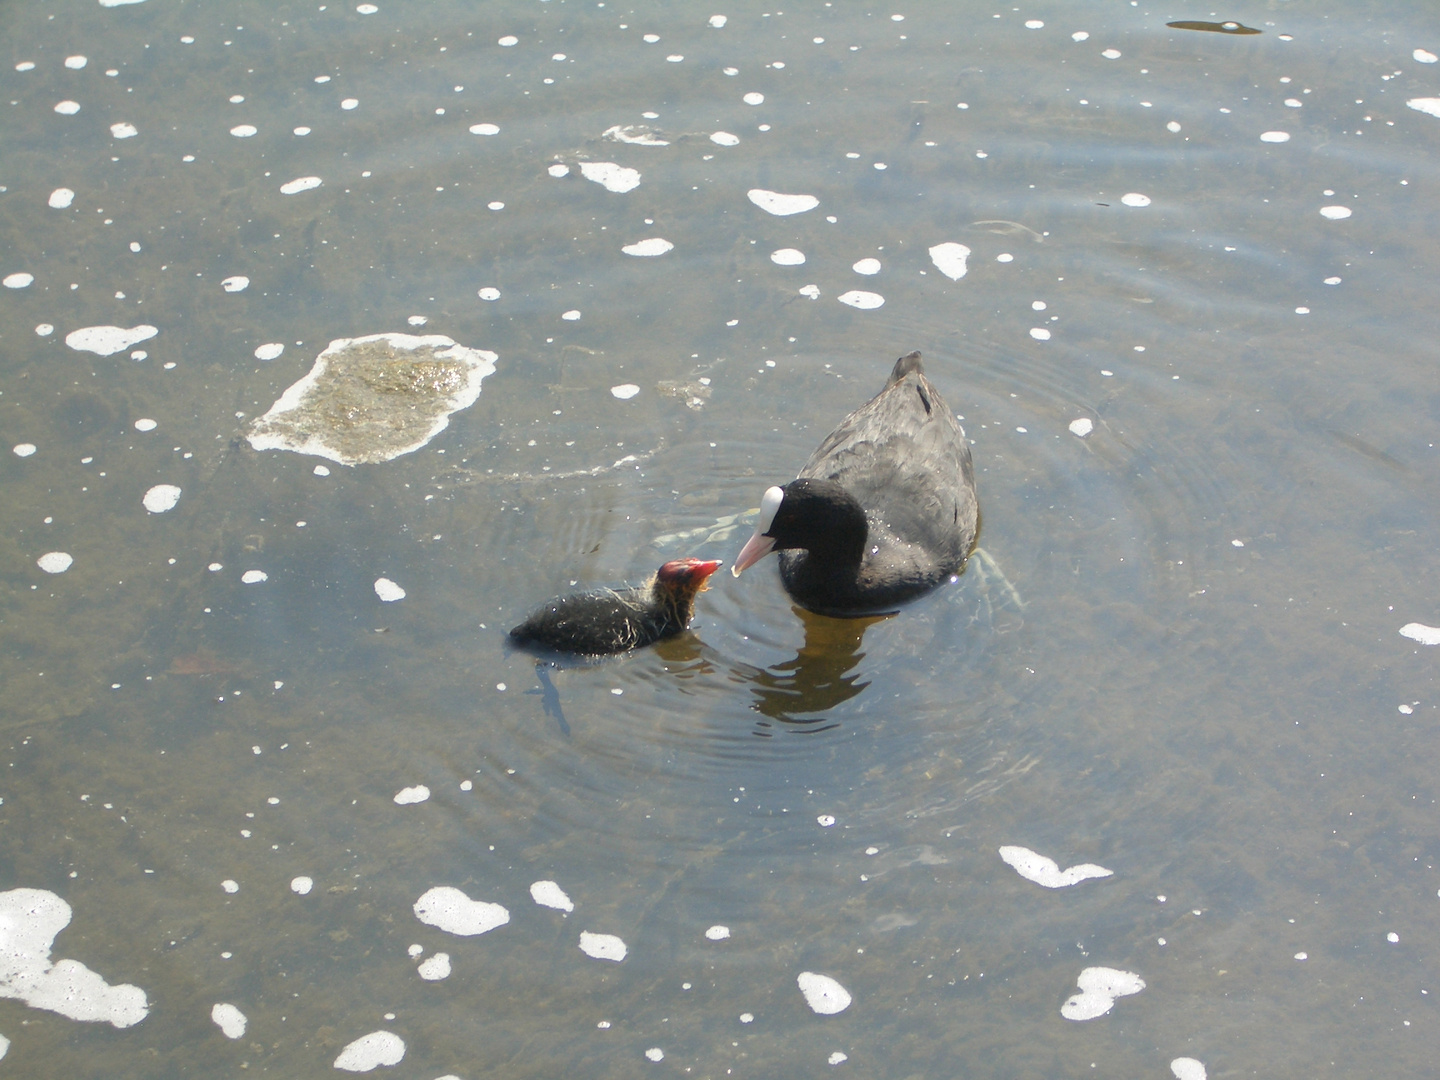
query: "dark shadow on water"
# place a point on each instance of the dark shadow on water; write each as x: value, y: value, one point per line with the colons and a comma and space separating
x: 798, y: 692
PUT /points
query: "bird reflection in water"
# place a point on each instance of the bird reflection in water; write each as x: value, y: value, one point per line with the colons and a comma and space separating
x: 823, y: 675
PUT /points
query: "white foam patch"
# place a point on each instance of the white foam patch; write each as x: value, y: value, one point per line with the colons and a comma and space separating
x: 1082, y: 427
x: 1187, y: 1069
x: 366, y: 9
x: 602, y: 946
x: 254, y: 577
x: 236, y: 283
x: 75, y: 63
x: 822, y: 993
x: 411, y: 795
x: 508, y: 40
x: 301, y: 885
x: 859, y: 298
x: 161, y: 497
x: 717, y: 21
x: 230, y: 1020
x: 372, y: 1051
x: 717, y: 933
x: 634, y: 134
x: 269, y: 351
x: 388, y: 591
x: 1335, y: 213
x: 61, y: 198
x: 950, y: 259
x: 1111, y: 54
x: 1080, y: 35
x: 24, y: 449
x: 610, y: 176
x: 838, y: 1057
x: 1134, y: 198
x: 1275, y: 136
x: 558, y: 170
x: 119, y: 3
x: 123, y: 130
x: 299, y: 184
x: 549, y: 894
x: 811, y: 291
x: 655, y: 245
x: 1425, y: 635
x: 108, y: 340
x: 1039, y: 333
x: 573, y: 315
x: 449, y: 909
x: 435, y: 968
x: 146, y: 424
x: 724, y: 138
x: 18, y: 280
x: 754, y: 97
x: 788, y: 257
x: 4, y: 1046
x: 868, y: 267
x: 29, y: 921
x: 781, y: 204
x: 484, y: 129
x: 67, y: 107
x: 1041, y: 869
x: 1099, y: 987
x: 1424, y: 56
x: 654, y: 1054
x: 625, y: 391
x: 1428, y: 105
x: 350, y: 103
x: 243, y: 131
x: 57, y: 562
x: 489, y: 293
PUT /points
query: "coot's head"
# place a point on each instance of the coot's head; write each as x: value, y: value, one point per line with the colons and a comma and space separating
x: 817, y: 516
x: 686, y: 576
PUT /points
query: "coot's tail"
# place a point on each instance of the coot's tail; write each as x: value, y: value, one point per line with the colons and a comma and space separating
x: 904, y: 366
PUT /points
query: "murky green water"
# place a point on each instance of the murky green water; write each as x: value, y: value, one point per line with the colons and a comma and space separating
x: 1181, y: 659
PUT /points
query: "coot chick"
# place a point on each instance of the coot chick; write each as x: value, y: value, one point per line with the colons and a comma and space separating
x: 883, y: 511
x: 615, y: 620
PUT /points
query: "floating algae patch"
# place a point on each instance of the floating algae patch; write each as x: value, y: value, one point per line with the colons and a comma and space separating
x: 374, y: 398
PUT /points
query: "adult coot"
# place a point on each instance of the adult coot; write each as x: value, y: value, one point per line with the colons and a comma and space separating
x: 614, y: 620
x: 883, y: 510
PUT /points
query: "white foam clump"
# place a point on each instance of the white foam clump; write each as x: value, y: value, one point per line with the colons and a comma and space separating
x: 244, y: 131
x: 610, y: 176
x: 67, y: 107
x: 146, y: 424
x: 1082, y: 427
x: 55, y: 562
x: 754, y: 97
x: 124, y: 131
x: 1187, y: 1068
x: 724, y: 138
x: 119, y: 3
x: 1099, y: 987
x: 230, y: 1020
x: 1335, y: 213
x: 29, y: 921
x: 822, y: 993
x: 1134, y: 198
x: 811, y: 291
x: 435, y: 968
x: 24, y: 449
x: 19, y: 280
x: 788, y: 257
x: 449, y: 909
x: 1039, y: 333
x: 859, y: 298
x: 868, y: 267
x: 602, y: 946
x: 108, y: 340
x: 269, y: 351
x: 235, y: 283
x: 717, y: 933
x: 558, y: 170
x: 60, y: 198
x: 634, y: 134
x: 299, y: 184
x: 1111, y: 54
x: 781, y: 204
x: 301, y: 885
x: 1041, y: 869
x: 411, y: 795
x: 573, y: 315
x: 949, y: 258
x: 717, y: 21
x: 254, y: 577
x: 656, y: 245
x: 838, y: 1057
x: 1425, y: 56
x: 484, y: 129
x: 489, y: 292
x: 388, y: 591
x: 549, y: 894
x: 1275, y: 136
x: 1428, y: 105
x: 161, y: 497
x: 1425, y: 635
x: 372, y: 1051
x: 366, y: 9
x: 77, y: 62
x: 625, y: 391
